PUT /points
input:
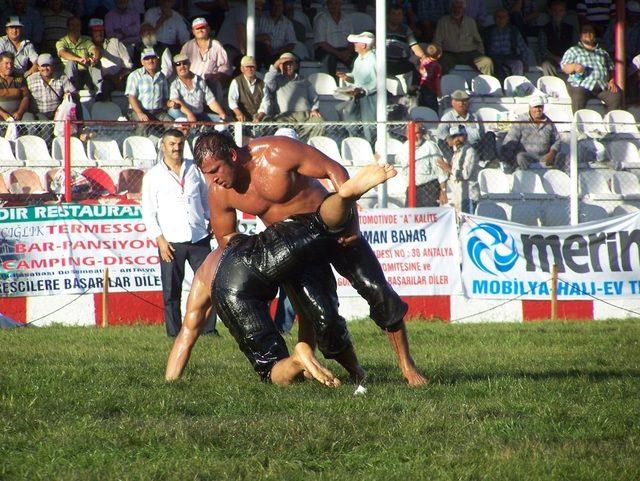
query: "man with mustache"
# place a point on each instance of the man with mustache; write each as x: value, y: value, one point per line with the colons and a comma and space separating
x: 590, y: 71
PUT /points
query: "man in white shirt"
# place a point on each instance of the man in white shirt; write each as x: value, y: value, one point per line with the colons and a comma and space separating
x: 330, y: 31
x: 115, y: 62
x: 171, y: 27
x: 247, y: 97
x: 176, y: 214
x: 22, y: 49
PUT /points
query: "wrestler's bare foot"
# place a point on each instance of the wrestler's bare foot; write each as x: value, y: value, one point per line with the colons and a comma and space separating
x: 412, y: 375
x: 303, y: 355
x: 366, y: 179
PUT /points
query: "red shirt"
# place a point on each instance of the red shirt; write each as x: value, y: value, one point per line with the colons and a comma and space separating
x: 432, y: 74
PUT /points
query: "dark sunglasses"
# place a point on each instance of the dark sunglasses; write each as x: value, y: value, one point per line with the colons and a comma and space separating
x: 178, y: 64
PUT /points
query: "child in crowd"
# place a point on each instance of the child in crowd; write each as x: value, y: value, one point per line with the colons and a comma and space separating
x: 430, y: 75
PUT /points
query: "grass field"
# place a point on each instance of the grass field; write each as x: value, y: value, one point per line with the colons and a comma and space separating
x: 521, y: 402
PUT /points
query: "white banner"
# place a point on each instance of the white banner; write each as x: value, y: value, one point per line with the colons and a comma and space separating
x: 417, y: 249
x: 502, y: 260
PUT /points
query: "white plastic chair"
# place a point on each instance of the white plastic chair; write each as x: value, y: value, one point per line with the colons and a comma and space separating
x: 33, y: 151
x: 395, y: 149
x: 623, y: 154
x: 595, y: 186
x: 79, y: 156
x: 527, y: 213
x: 529, y: 184
x: 556, y: 182
x: 323, y: 83
x: 106, y: 153
x: 105, y: 111
x: 493, y: 210
x: 621, y: 122
x: 327, y: 146
x: 561, y: 115
x: 627, y: 184
x: 424, y: 113
x: 141, y: 151
x: 552, y: 87
x: 489, y: 118
x: 362, y: 22
x: 519, y: 86
x: 556, y: 213
x: 452, y: 82
x: 356, y: 151
x: 495, y: 184
x: 625, y: 209
x: 591, y: 212
x: 589, y: 123
x: 7, y: 158
x: 486, y: 85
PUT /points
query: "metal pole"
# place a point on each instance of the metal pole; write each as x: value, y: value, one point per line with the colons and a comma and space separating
x: 251, y: 27
x: 554, y: 292
x: 381, y: 90
x: 619, y: 52
x: 411, y: 135
x: 67, y: 161
x: 105, y: 298
x: 573, y: 174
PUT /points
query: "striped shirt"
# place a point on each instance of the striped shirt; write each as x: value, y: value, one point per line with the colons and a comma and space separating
x: 281, y: 31
x: 596, y: 11
x: 598, y: 64
x: 151, y: 92
x: 23, y: 54
x: 195, y: 99
x: 325, y: 29
x: 46, y: 98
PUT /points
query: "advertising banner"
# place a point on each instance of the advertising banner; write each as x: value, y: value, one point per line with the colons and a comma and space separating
x: 417, y: 249
x: 501, y: 260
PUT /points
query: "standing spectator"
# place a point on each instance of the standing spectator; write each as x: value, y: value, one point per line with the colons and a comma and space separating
x: 505, y: 45
x: 80, y: 58
x: 430, y: 75
x: 597, y: 13
x: 14, y: 95
x: 363, y: 79
x: 176, y: 213
x: 189, y: 95
x: 330, y: 31
x: 524, y: 16
x: 123, y: 24
x: 400, y: 43
x: 47, y: 88
x: 292, y: 97
x: 23, y: 50
x: 148, y: 90
x: 208, y: 57
x: 463, y: 170
x: 431, y: 178
x: 171, y: 27
x: 30, y: 18
x: 533, y: 139
x: 247, y: 97
x: 555, y: 38
x: 590, y: 71
x: 115, y: 62
x: 274, y: 32
x: 460, y: 41
x: 483, y: 142
x: 54, y: 19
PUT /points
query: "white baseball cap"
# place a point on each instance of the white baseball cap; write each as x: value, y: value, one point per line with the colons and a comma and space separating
x: 536, y: 101
x: 365, y: 37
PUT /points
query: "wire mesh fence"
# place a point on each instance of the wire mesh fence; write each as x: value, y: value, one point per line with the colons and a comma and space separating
x: 596, y: 168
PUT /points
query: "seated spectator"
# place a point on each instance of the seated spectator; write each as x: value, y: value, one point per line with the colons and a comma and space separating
x: 189, y: 95
x: 533, y: 140
x: 292, y: 97
x: 171, y: 27
x: 477, y: 10
x: 25, y: 55
x: 401, y: 42
x: 458, y: 36
x: 30, y: 18
x: 148, y: 39
x: 274, y: 33
x: 590, y: 71
x: 463, y: 170
x: 330, y: 31
x: 431, y: 177
x: 555, y: 38
x: 80, y: 58
x: 430, y: 75
x: 47, y: 88
x: 54, y: 19
x: 14, y: 95
x: 524, y: 16
x: 115, y: 62
x: 123, y: 23
x: 505, y: 45
x: 596, y: 13
x: 363, y: 79
x: 208, y: 57
x: 477, y: 138
x: 148, y: 90
x: 247, y: 97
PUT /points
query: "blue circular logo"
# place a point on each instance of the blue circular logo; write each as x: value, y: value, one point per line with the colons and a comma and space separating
x: 496, y: 246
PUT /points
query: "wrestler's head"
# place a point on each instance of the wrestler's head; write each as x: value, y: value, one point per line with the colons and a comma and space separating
x: 215, y: 154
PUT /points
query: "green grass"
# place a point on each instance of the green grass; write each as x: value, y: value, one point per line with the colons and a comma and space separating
x: 537, y: 401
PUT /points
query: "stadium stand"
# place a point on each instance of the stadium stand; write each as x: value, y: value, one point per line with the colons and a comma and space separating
x: 356, y: 151
x: 105, y: 152
x: 25, y: 181
x: 486, y: 85
x: 7, y: 158
x: 79, y: 156
x: 494, y: 210
x: 33, y: 151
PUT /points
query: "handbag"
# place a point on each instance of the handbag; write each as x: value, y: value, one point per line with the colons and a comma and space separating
x: 11, y: 134
x: 66, y: 111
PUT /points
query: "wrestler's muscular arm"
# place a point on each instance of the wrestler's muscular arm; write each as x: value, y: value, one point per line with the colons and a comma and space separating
x: 223, y: 217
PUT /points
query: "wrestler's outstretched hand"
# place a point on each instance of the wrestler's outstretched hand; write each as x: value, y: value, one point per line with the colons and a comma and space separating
x: 303, y: 354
